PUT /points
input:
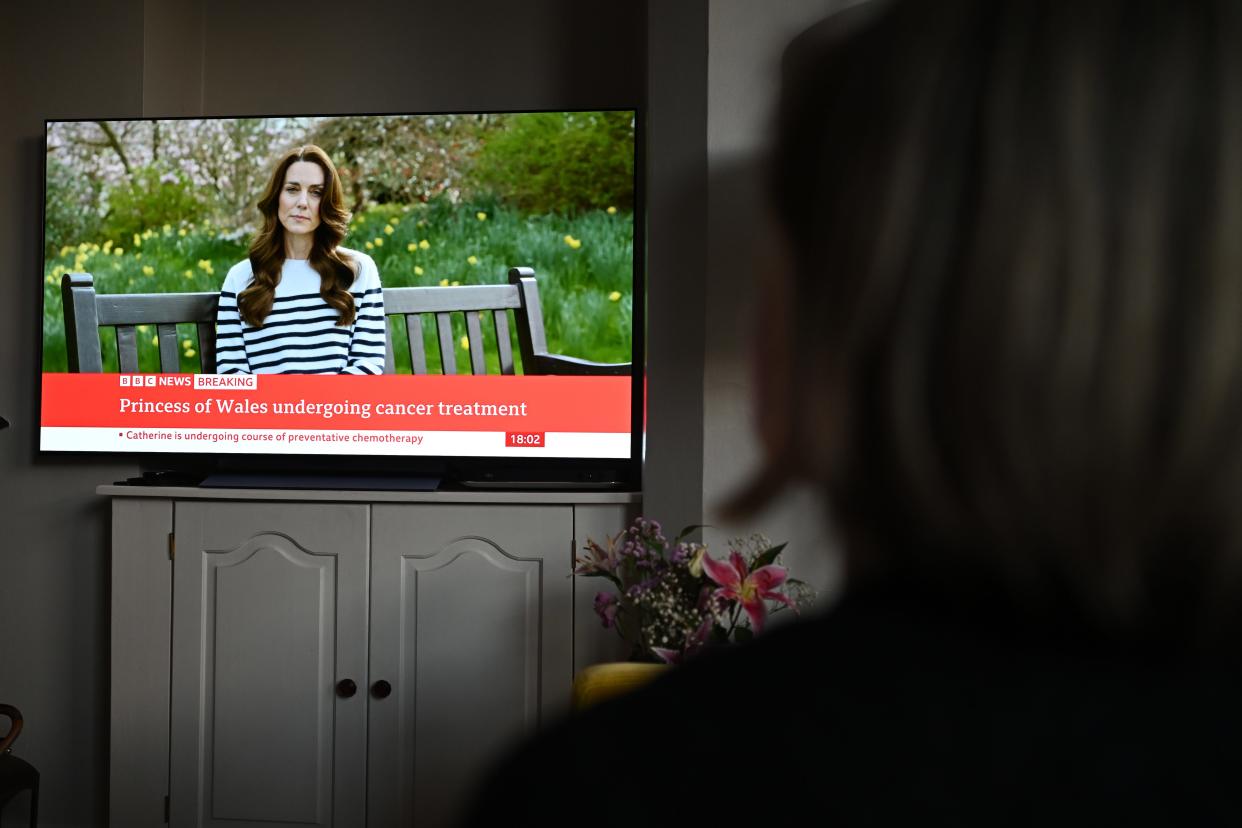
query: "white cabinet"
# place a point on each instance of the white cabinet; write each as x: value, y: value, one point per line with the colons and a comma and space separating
x: 310, y: 661
x: 471, y: 623
x: 269, y: 616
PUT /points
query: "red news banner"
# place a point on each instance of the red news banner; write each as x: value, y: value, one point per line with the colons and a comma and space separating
x: 522, y: 405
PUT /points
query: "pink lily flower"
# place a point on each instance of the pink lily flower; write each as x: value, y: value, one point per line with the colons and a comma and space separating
x: 750, y: 588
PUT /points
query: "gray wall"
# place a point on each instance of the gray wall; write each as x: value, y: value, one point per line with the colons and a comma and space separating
x: 125, y: 58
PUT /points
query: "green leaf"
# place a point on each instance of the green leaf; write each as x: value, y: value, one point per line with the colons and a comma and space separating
x: 767, y: 556
x: 607, y: 575
x: 690, y: 529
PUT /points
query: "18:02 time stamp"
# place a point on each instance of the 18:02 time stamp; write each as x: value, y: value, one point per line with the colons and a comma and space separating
x: 524, y: 439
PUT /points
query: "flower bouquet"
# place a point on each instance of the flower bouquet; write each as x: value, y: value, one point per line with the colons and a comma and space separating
x: 672, y: 599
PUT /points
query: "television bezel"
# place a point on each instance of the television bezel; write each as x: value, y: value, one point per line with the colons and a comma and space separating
x: 510, y: 472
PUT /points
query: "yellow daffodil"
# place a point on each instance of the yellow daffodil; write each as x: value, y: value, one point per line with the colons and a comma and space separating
x: 167, y: 228
x: 379, y: 241
x: 393, y: 219
x: 612, y: 211
x: 189, y: 274
x: 444, y: 283
x: 137, y: 240
x: 418, y: 271
x: 424, y: 245
x: 190, y: 352
x: 138, y: 255
x: 94, y: 247
x: 411, y: 247
x: 369, y: 246
x: 185, y: 343
x: 147, y: 270
x: 51, y: 280
x: 181, y: 232
x: 481, y: 216
x: 388, y: 229
x: 118, y: 251
x: 107, y: 246
x: 615, y: 296
x: 64, y: 251
x: 148, y: 233
x: 455, y: 284
x: 465, y: 343
x: 572, y: 242
x: 473, y: 260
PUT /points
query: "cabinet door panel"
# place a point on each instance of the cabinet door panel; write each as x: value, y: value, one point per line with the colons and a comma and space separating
x: 269, y: 613
x: 471, y: 623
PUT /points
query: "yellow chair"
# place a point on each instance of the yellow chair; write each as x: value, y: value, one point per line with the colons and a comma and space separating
x: 603, y: 681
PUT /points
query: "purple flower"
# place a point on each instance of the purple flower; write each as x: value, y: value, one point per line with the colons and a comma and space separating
x: 606, y: 607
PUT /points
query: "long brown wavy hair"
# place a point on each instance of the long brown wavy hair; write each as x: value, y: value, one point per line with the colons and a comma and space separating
x: 267, y: 251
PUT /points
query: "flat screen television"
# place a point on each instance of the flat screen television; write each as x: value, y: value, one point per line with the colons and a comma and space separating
x: 410, y: 294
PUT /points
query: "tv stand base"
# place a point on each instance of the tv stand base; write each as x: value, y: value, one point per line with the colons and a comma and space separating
x: 344, y: 482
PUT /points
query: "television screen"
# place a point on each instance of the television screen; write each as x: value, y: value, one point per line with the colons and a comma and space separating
x: 418, y: 285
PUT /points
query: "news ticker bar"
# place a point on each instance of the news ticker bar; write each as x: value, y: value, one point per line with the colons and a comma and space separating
x: 525, y: 405
x: 566, y: 445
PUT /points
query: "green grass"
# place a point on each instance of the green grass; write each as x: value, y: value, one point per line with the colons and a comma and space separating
x: 585, y: 290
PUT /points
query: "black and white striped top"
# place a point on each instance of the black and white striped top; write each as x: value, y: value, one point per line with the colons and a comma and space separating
x: 300, y: 335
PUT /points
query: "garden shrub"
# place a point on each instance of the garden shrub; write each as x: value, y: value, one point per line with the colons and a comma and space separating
x: 564, y: 163
x: 71, y: 214
x: 152, y: 198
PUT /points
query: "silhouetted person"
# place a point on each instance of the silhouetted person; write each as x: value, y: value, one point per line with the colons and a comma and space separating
x: 1010, y: 356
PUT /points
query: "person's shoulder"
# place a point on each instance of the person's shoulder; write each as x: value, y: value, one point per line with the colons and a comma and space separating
x: 239, y: 276
x: 368, y: 272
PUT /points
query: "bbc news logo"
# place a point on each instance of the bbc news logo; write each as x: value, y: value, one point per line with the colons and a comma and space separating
x: 199, y: 382
x: 138, y: 380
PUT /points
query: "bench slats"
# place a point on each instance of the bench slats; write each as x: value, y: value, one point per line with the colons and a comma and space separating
x: 448, y: 357
x: 504, y: 349
x: 452, y: 298
x: 474, y: 333
x: 418, y: 352
x: 127, y: 348
x: 155, y: 308
x: 207, y: 347
x: 170, y: 359
x: 390, y: 364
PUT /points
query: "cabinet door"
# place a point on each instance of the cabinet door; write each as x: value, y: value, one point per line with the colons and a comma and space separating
x: 472, y: 626
x: 269, y: 613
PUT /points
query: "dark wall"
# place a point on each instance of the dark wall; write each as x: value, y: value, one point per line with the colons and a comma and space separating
x: 125, y: 58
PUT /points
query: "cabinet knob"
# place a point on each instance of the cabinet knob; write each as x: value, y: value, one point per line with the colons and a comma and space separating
x: 381, y: 689
x: 346, y: 688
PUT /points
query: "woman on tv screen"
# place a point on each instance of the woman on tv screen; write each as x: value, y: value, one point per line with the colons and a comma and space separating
x: 300, y: 303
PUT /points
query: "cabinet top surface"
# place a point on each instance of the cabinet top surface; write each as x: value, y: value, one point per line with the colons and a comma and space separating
x: 338, y: 496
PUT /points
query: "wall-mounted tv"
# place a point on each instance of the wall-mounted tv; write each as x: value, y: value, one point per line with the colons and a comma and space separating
x: 394, y: 292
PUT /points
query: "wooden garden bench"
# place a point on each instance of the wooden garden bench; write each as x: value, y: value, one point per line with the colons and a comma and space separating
x: 87, y: 311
